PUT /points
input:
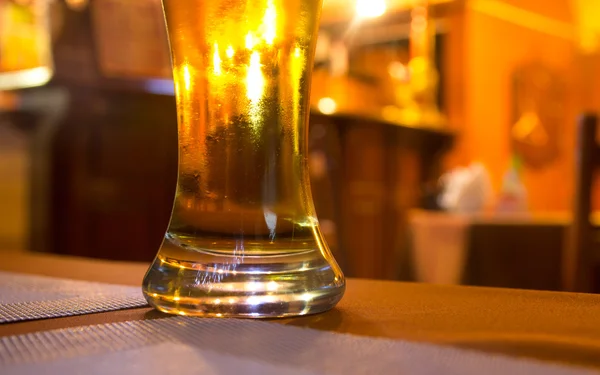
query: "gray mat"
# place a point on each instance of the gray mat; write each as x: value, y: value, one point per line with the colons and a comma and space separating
x: 27, y: 297
x: 184, y: 345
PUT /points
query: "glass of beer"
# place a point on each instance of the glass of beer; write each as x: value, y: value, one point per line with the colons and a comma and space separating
x: 243, y: 240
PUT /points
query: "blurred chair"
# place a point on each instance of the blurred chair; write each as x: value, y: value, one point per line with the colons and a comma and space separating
x: 581, y: 255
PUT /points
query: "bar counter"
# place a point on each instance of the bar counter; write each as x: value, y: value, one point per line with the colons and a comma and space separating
x: 547, y: 326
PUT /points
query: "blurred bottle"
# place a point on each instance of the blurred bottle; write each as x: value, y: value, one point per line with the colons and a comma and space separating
x: 513, y: 194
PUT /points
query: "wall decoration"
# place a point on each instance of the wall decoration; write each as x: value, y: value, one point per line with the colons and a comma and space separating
x: 538, y: 97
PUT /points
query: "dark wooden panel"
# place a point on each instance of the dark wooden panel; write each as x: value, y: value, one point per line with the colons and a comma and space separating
x: 114, y: 176
x: 515, y: 256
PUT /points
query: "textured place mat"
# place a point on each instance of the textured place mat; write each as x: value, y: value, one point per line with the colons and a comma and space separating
x: 184, y: 345
x: 27, y: 297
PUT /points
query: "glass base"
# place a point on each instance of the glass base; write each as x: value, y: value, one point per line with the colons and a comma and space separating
x: 207, y: 283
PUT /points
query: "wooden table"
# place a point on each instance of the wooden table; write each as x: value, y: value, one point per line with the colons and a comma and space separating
x: 549, y: 326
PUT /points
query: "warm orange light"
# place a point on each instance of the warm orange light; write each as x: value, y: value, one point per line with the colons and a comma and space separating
x: 217, y: 60
x: 187, y: 77
x: 77, y: 4
x: 270, y: 23
x: 255, y: 81
x: 327, y: 106
x: 370, y: 8
x: 249, y: 41
x: 272, y: 286
x: 230, y: 52
x: 398, y: 71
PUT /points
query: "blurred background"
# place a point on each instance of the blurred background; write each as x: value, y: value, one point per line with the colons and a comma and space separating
x: 442, y: 135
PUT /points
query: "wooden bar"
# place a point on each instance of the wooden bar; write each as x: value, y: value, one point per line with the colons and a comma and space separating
x: 546, y: 326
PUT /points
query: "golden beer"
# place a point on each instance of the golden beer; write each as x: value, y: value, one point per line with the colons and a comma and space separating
x: 243, y: 239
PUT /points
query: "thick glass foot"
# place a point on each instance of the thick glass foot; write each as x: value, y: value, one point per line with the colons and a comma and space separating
x: 189, y: 280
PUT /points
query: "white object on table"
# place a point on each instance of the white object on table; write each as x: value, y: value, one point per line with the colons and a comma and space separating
x: 439, y: 246
x: 466, y: 190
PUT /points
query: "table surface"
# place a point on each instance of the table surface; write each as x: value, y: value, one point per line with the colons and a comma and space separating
x: 549, y: 326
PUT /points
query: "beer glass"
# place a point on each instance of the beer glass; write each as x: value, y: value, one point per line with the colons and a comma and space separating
x: 243, y: 240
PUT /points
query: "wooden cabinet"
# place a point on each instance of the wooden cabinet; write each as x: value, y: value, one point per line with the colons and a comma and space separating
x: 378, y: 171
